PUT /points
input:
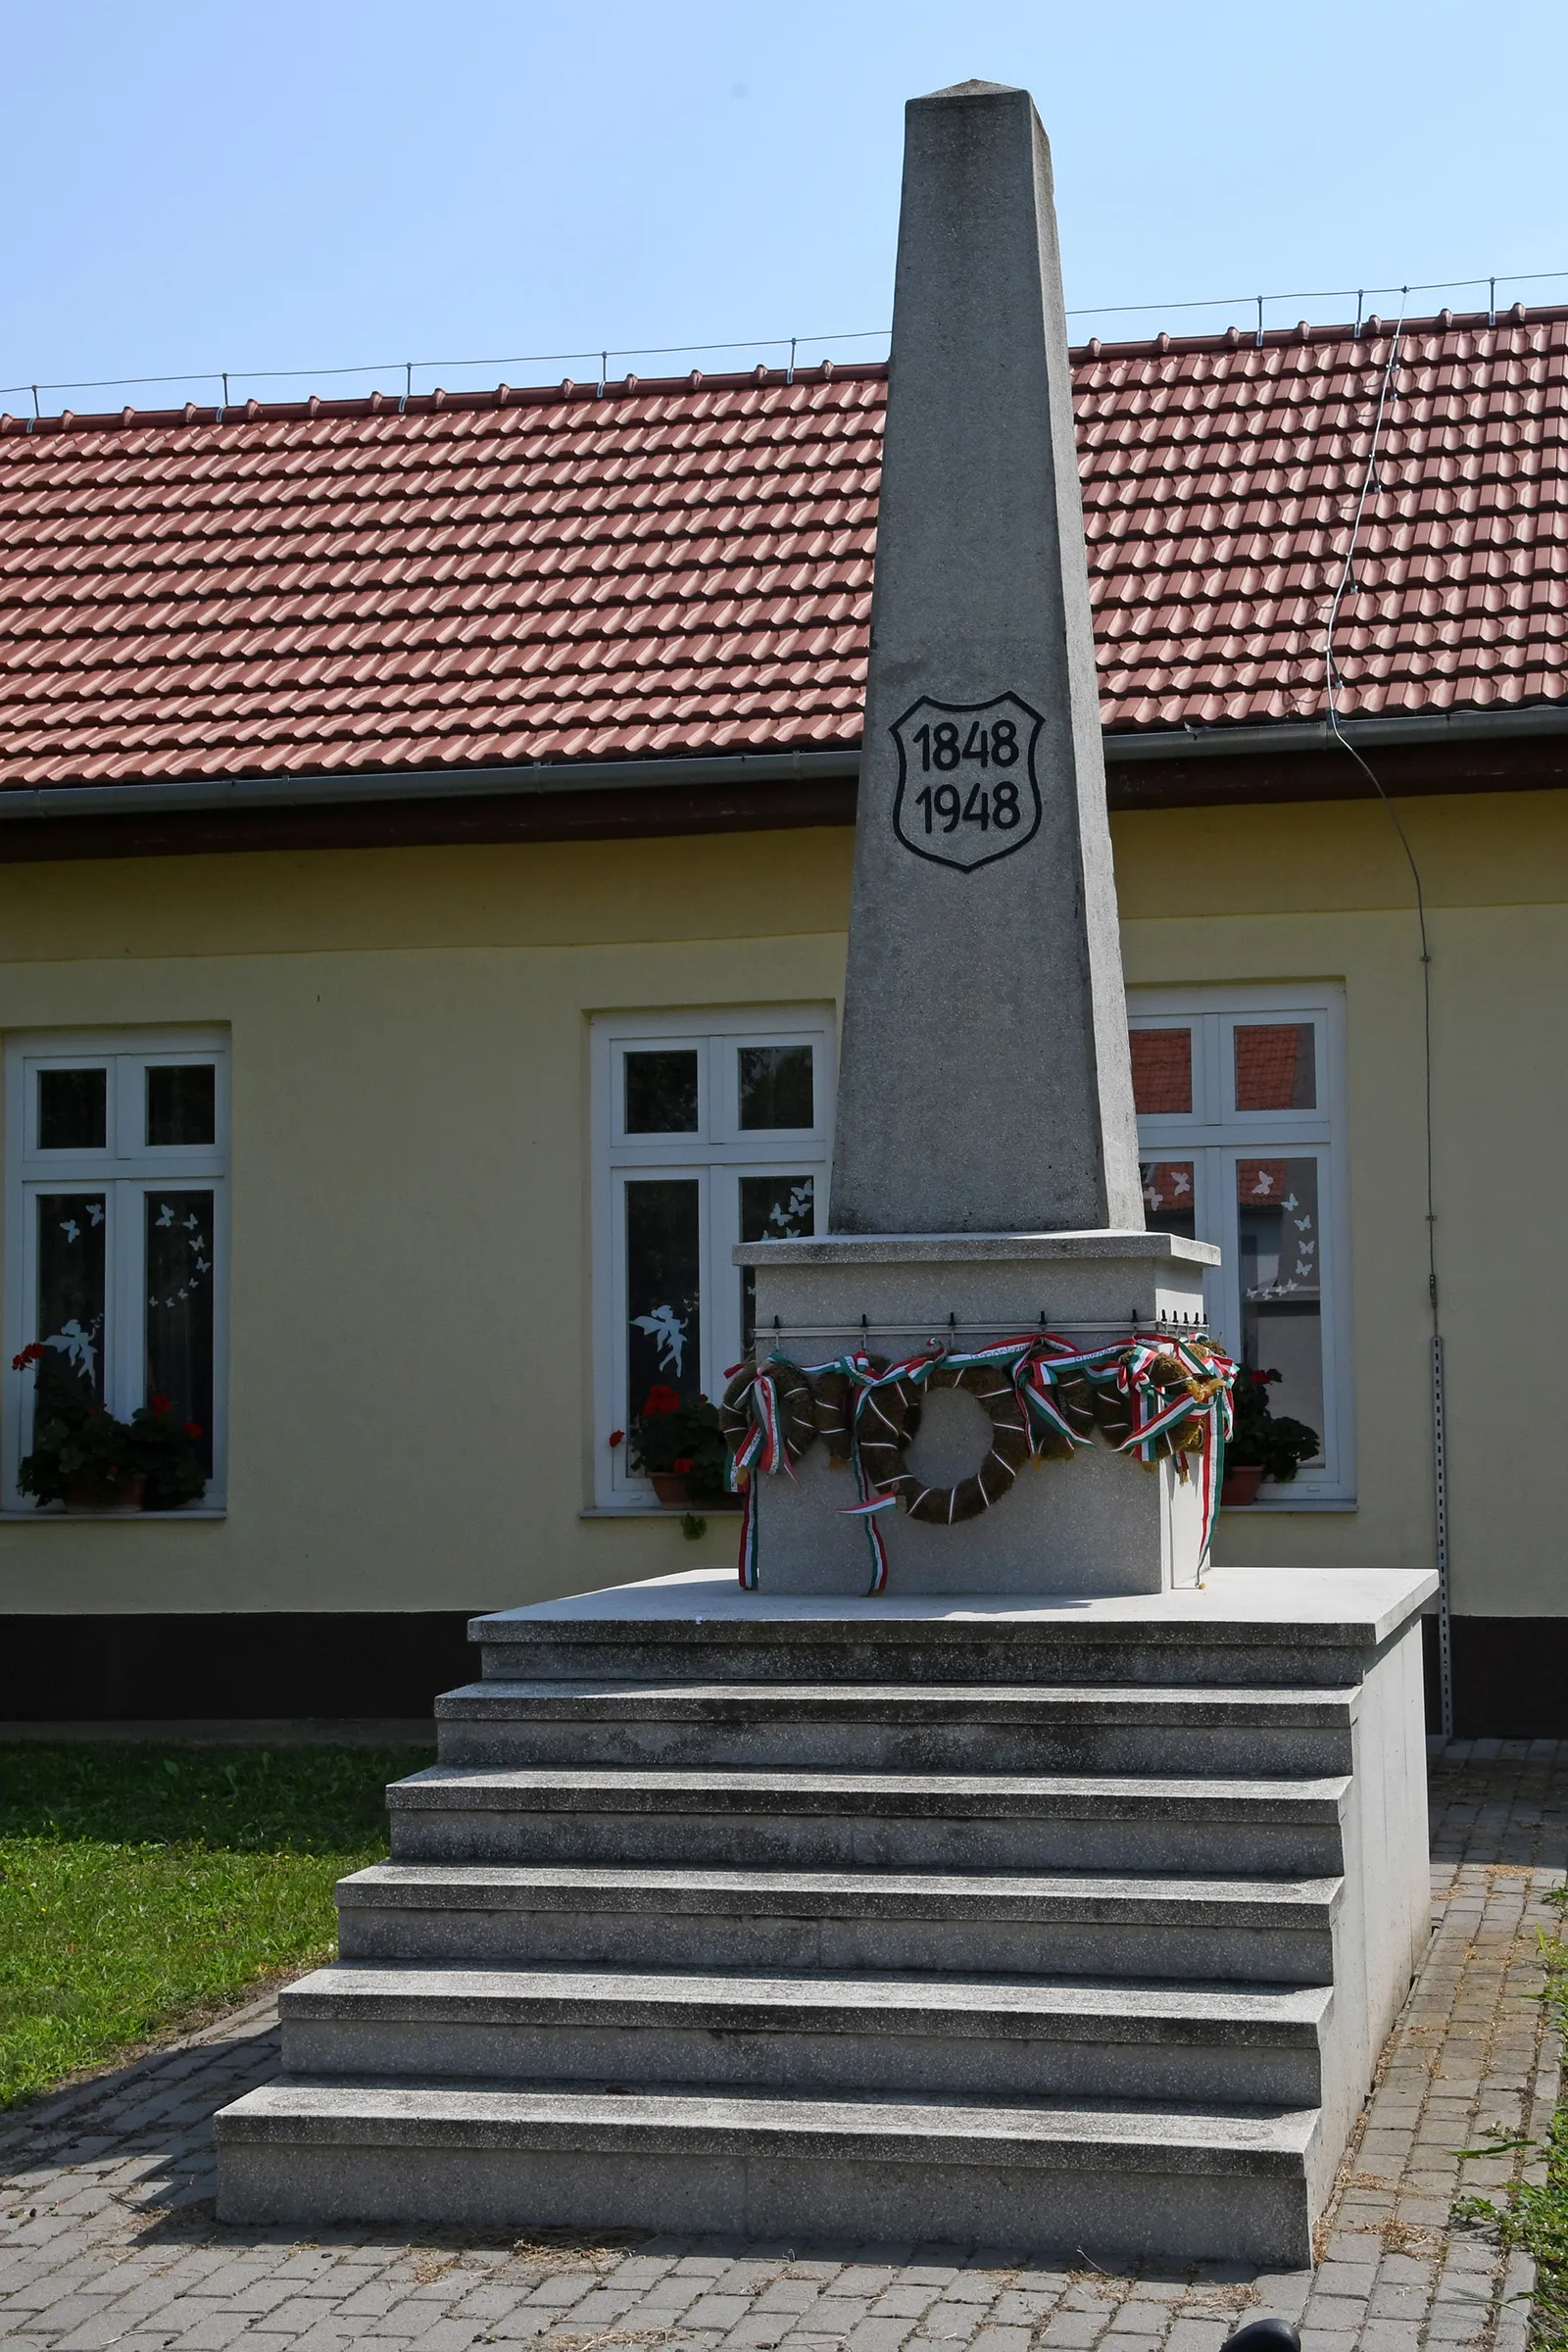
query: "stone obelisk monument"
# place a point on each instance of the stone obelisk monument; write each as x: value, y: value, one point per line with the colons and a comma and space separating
x: 984, y: 1175
x: 985, y: 1084
x: 795, y: 1912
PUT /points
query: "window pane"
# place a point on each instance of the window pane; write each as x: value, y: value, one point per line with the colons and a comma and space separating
x: 775, y: 1087
x: 180, y: 1308
x: 1282, y: 1281
x: 71, y: 1232
x: 661, y: 1094
x: 1169, y: 1197
x: 1276, y: 1067
x: 1162, y: 1069
x: 773, y: 1209
x: 663, y: 1239
x: 73, y: 1111
x: 182, y: 1104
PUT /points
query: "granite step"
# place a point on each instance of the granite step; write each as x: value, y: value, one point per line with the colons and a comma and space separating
x: 916, y: 1821
x: 700, y: 1633
x: 890, y: 1726
x: 1101, y: 2181
x: 1258, y: 1930
x: 946, y: 2037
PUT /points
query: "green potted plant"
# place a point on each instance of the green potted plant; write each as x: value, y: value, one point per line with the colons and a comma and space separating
x: 87, y: 1459
x: 1262, y: 1444
x: 676, y: 1442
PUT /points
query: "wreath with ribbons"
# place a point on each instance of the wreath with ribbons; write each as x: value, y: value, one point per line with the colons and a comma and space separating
x: 1157, y: 1396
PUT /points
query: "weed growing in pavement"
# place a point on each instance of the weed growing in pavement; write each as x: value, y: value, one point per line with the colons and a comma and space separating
x: 1533, y: 2218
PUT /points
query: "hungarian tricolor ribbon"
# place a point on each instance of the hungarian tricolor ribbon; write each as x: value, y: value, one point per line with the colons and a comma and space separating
x: 1168, y: 1381
x: 865, y: 1379
x: 762, y: 1450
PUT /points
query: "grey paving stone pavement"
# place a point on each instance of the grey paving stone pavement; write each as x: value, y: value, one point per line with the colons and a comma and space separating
x: 107, y: 2237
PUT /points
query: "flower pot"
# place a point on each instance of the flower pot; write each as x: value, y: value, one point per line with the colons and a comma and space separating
x: 1241, y: 1483
x: 670, y: 1488
x: 115, y: 1503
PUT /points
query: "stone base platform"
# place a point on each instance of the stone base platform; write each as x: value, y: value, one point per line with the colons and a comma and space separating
x: 939, y: 1916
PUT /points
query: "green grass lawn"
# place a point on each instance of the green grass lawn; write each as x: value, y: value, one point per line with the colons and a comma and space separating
x: 140, y: 1886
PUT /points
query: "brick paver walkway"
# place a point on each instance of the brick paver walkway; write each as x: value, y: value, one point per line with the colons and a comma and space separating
x: 107, y: 2237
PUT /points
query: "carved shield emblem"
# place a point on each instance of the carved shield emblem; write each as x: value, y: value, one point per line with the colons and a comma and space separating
x: 968, y: 793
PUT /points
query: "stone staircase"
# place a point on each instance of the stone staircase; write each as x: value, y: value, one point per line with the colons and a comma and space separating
x: 999, y: 1928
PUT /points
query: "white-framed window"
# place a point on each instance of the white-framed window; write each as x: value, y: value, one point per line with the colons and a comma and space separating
x: 116, y: 1225
x: 1241, y: 1128
x: 709, y: 1128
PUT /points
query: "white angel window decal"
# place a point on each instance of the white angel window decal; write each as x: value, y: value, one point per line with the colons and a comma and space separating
x: 668, y: 1331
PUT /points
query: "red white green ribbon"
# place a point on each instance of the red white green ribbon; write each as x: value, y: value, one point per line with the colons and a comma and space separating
x: 761, y: 1452
x: 1039, y: 1362
x: 864, y: 1380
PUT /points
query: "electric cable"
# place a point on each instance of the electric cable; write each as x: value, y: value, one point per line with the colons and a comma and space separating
x: 1333, y: 682
x: 867, y: 334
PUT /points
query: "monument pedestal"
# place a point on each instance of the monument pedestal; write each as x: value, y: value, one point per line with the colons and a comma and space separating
x: 1056, y: 1923
x: 1100, y: 1524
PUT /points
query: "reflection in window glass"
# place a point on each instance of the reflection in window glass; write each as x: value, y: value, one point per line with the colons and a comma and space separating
x: 180, y: 1308
x: 1169, y: 1197
x: 1163, y: 1070
x: 73, y: 1111
x: 182, y: 1104
x: 71, y: 1234
x: 662, y: 1093
x: 773, y: 1209
x: 1280, y: 1244
x: 775, y: 1086
x: 664, y: 1282
x: 1276, y: 1067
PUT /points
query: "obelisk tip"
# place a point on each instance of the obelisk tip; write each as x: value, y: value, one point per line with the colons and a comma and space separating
x: 971, y: 89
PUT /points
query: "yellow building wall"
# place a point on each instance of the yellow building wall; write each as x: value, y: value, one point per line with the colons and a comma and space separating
x: 410, y: 1410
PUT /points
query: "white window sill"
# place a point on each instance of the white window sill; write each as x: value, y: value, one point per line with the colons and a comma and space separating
x: 204, y: 1510
x: 1272, y: 1506
x: 658, y: 1510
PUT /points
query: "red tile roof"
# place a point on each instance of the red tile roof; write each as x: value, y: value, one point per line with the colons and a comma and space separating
x: 686, y: 567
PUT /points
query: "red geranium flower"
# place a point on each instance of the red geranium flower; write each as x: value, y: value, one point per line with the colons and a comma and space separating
x: 32, y: 1354
x: 193, y: 1429
x: 660, y: 1400
x: 160, y: 1404
x: 615, y: 1436
x: 682, y: 1467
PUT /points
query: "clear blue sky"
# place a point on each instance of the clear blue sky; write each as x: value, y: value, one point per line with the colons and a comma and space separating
x: 309, y: 183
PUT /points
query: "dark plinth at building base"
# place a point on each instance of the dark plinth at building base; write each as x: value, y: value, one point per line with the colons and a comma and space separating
x: 1510, y: 1677
x: 1510, y: 1674
x: 287, y: 1664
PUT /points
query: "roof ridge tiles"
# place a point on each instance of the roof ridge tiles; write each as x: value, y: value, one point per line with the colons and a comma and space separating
x: 658, y: 394
x: 336, y: 585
